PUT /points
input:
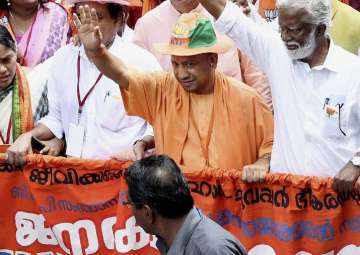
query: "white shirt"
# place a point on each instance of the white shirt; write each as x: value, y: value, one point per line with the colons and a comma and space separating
x: 128, y: 34
x: 108, y: 130
x: 307, y: 141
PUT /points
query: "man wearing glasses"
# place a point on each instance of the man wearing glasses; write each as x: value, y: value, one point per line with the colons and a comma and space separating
x: 315, y: 88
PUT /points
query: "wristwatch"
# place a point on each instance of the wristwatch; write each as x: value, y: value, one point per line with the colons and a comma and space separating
x: 355, y: 161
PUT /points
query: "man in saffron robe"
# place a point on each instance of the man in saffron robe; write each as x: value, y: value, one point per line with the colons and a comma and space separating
x: 201, y: 118
x: 233, y: 63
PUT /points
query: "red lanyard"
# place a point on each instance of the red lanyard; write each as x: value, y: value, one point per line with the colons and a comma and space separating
x: 7, y: 141
x: 22, y: 62
x: 28, y: 39
x: 82, y: 102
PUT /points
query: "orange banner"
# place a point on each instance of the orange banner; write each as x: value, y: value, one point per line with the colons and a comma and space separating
x: 69, y: 206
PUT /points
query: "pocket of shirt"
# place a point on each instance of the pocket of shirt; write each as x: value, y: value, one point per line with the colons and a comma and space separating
x: 335, y: 126
x: 112, y: 115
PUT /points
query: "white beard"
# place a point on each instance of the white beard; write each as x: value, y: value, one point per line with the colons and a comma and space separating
x: 303, y: 51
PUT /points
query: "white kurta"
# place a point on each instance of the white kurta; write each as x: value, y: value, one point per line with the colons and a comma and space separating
x: 128, y: 34
x: 108, y: 129
x: 5, y: 113
x: 308, y: 140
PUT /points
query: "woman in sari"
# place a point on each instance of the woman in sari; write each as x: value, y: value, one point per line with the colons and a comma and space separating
x: 40, y: 27
x: 22, y: 101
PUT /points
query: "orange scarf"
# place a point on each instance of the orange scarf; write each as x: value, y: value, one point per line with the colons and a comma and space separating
x: 22, y: 118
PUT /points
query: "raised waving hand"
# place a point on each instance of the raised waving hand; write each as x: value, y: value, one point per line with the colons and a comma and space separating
x: 89, y: 32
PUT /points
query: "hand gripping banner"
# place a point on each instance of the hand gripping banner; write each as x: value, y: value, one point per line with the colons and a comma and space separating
x: 70, y: 206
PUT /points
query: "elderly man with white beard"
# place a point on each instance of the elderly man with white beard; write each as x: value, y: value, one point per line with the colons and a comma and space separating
x: 315, y: 88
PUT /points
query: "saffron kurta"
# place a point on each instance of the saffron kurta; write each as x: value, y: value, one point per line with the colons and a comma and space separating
x: 242, y: 130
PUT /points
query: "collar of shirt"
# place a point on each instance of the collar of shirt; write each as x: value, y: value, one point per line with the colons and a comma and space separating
x: 198, y: 9
x: 334, y: 8
x: 332, y: 61
x: 183, y: 236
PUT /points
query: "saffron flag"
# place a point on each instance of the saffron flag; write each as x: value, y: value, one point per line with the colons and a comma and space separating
x: 72, y: 206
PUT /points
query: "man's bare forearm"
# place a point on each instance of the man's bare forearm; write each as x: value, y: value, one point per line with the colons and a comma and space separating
x: 42, y: 132
x: 111, y: 67
x: 150, y: 142
x: 214, y: 7
x: 264, y: 160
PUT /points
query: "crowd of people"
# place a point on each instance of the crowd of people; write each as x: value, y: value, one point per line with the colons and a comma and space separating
x: 262, y: 87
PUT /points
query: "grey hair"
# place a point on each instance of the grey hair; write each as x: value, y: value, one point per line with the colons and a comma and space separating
x: 320, y: 10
